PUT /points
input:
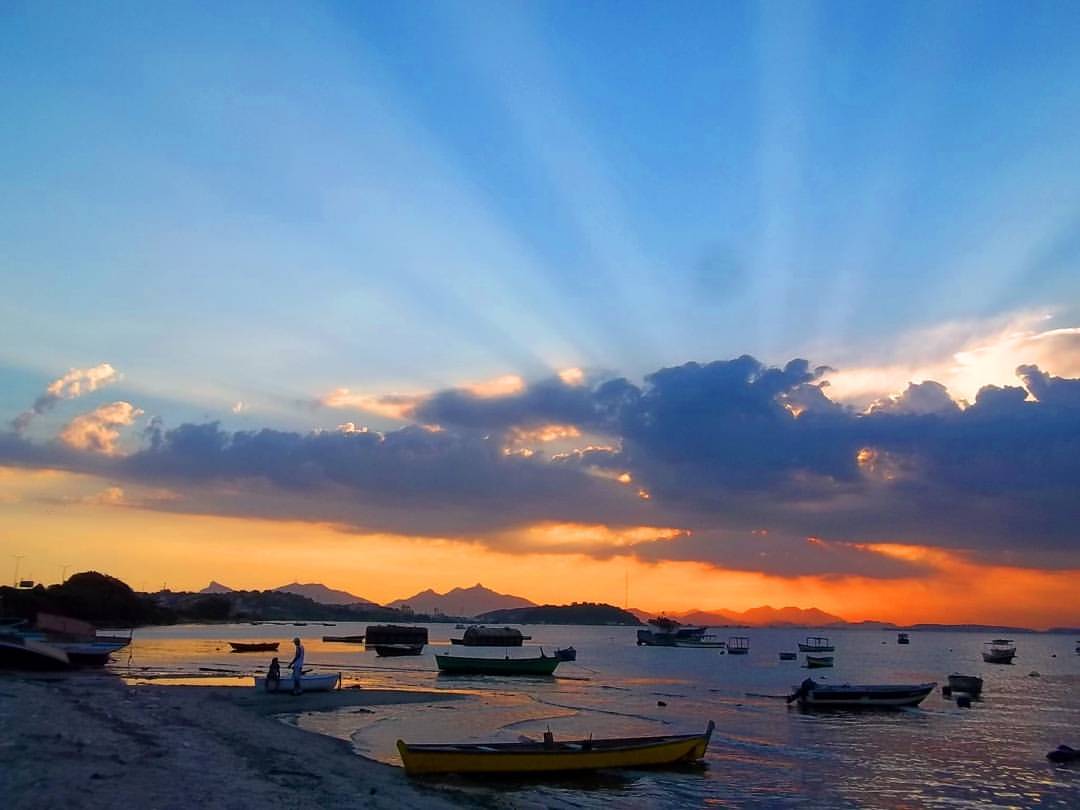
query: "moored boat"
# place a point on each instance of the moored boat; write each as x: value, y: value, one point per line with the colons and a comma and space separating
x: 967, y: 684
x: 738, y: 645
x: 17, y: 652
x: 816, y: 644
x: 345, y: 639
x: 397, y: 650
x: 377, y: 634
x: 480, y: 636
x: 468, y: 665
x: 551, y: 756
x: 707, y: 640
x: 308, y: 683
x: 254, y: 646
x: 814, y: 695
x: 818, y: 661
x: 999, y: 651
x: 667, y: 632
x: 902, y: 638
x: 566, y: 654
x: 788, y: 656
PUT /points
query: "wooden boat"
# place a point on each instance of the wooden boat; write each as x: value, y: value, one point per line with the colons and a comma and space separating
x: 816, y: 644
x: 17, y: 652
x: 551, y: 756
x: 308, y: 683
x: 813, y: 695
x: 968, y: 684
x: 667, y: 632
x: 999, y: 651
x: 788, y: 656
x: 397, y: 650
x: 254, y: 646
x: 466, y: 665
x: 480, y: 636
x: 377, y: 634
x: 902, y: 638
x: 566, y: 654
x: 818, y: 661
x: 345, y: 639
x: 738, y: 645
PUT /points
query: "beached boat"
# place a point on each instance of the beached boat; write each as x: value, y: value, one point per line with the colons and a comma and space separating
x: 466, y: 665
x: 814, y: 695
x: 345, y: 639
x: 254, y: 646
x: 788, y: 656
x: 967, y: 684
x: 480, y: 636
x: 999, y: 651
x: 738, y: 645
x: 902, y: 638
x: 308, y: 683
x: 397, y: 650
x: 816, y: 644
x: 566, y: 654
x: 78, y: 640
x: 551, y: 756
x: 818, y: 661
x: 17, y: 652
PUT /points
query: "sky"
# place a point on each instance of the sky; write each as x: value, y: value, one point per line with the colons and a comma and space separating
x: 694, y: 306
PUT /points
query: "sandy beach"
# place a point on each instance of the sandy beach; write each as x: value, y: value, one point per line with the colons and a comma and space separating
x: 94, y: 741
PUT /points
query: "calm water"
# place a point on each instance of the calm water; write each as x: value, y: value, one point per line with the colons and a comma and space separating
x: 762, y: 753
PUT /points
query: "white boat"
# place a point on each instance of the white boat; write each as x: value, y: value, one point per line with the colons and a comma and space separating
x: 816, y: 644
x: 814, y: 695
x: 308, y: 683
x: 667, y: 632
x: 704, y: 640
x: 999, y: 651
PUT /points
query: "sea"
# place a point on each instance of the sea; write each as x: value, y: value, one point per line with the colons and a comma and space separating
x: 764, y: 752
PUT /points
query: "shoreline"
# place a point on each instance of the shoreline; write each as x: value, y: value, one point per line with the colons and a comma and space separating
x: 92, y: 740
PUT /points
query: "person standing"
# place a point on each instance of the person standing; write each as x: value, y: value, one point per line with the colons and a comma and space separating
x: 297, y: 666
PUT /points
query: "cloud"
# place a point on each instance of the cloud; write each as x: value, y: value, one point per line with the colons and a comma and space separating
x: 392, y: 406
x: 75, y: 383
x: 98, y: 430
x: 239, y: 407
x: 744, y: 463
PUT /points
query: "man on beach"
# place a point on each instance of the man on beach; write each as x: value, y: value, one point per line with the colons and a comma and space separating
x: 297, y: 666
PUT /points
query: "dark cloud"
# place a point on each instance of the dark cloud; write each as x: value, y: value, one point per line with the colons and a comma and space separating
x: 749, y: 460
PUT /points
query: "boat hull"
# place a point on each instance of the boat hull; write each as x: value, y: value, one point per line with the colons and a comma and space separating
x: 17, y: 653
x: 580, y: 755
x: 461, y: 665
x: 398, y: 650
x: 308, y: 683
x: 818, y: 662
x: 999, y: 657
x: 885, y: 696
x: 968, y: 684
x: 245, y: 647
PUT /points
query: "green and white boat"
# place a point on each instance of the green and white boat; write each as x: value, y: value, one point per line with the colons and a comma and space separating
x: 467, y: 665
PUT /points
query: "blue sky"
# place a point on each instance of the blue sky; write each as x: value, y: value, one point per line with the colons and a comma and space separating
x: 264, y: 202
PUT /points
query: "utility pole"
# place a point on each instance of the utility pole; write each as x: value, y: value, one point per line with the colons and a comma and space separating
x: 63, y: 573
x: 18, y: 559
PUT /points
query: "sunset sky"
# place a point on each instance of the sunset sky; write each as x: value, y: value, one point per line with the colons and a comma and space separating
x: 732, y: 304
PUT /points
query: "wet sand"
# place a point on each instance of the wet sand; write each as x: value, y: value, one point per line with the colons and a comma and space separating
x: 93, y: 741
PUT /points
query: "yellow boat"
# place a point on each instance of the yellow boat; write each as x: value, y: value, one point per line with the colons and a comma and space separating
x: 552, y: 756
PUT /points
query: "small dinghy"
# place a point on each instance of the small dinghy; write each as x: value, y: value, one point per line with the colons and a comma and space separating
x: 466, y: 665
x: 551, y: 756
x: 566, y: 654
x: 308, y: 683
x: 816, y: 644
x: 254, y: 646
x: 818, y: 661
x: 397, y: 650
x: 814, y: 695
x: 999, y: 651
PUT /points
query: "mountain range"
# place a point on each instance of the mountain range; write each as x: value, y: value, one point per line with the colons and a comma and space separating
x: 315, y: 591
x: 461, y: 601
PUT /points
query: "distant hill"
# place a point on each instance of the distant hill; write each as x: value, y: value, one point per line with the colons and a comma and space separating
x: 577, y: 613
x: 216, y: 587
x: 764, y: 616
x: 317, y: 592
x: 461, y: 601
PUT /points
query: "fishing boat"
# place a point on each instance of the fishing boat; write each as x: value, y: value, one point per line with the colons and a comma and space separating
x: 254, y: 646
x: 816, y: 644
x: 967, y: 684
x: 308, y: 683
x: 345, y: 639
x: 738, y: 645
x: 566, y: 654
x: 667, y: 632
x: 818, y: 661
x: 17, y: 652
x: 466, y: 665
x: 397, y: 650
x: 999, y: 651
x: 814, y: 695
x: 480, y: 636
x: 788, y: 656
x: 550, y: 756
x: 902, y: 638
x: 707, y: 640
